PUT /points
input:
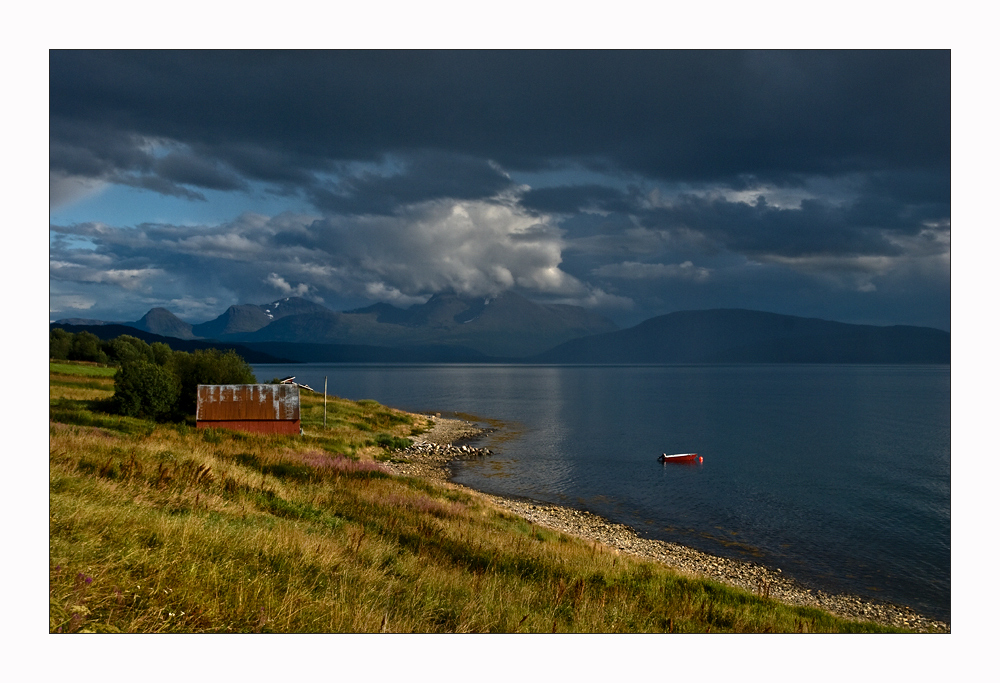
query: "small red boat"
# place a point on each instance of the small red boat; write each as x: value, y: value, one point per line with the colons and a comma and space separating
x: 681, y: 457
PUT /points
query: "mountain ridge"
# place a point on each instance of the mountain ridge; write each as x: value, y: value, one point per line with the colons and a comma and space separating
x: 508, y: 325
x: 510, y: 328
x: 745, y: 336
x: 504, y: 325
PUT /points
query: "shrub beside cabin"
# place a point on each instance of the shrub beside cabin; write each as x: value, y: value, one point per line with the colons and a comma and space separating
x: 258, y: 408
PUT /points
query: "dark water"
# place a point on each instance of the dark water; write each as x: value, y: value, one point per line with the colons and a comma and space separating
x: 838, y: 475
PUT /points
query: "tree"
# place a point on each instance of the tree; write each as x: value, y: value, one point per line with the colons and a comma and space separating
x: 162, y: 354
x: 87, y: 346
x: 208, y: 366
x: 143, y: 389
x: 125, y: 348
x: 60, y: 343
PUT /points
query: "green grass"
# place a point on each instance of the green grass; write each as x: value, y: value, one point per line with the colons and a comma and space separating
x: 356, y: 428
x: 164, y: 528
x: 80, y: 368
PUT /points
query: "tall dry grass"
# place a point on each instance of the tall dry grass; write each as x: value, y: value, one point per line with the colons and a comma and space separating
x: 164, y: 528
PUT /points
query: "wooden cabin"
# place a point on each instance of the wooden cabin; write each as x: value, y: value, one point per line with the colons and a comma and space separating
x: 257, y: 408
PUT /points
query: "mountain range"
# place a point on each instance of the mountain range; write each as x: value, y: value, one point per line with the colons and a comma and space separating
x: 507, y: 325
x: 510, y: 328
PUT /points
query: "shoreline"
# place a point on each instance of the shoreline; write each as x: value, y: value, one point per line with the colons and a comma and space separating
x: 431, y: 456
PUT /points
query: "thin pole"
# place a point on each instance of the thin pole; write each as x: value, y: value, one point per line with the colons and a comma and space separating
x: 324, y: 401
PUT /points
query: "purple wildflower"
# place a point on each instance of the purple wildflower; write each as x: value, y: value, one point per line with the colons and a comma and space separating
x: 325, y: 462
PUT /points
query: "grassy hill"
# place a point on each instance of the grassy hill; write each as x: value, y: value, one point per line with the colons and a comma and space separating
x: 166, y: 528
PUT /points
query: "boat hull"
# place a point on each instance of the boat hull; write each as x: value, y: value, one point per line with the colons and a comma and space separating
x: 680, y: 458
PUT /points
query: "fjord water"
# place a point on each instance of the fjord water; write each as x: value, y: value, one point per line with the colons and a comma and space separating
x: 839, y: 475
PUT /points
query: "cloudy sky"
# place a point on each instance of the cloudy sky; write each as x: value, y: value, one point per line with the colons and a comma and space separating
x: 633, y: 183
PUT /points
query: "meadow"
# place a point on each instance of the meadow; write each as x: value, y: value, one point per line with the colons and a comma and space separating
x: 161, y: 527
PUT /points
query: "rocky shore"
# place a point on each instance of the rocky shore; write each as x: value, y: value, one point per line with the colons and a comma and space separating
x: 432, y: 452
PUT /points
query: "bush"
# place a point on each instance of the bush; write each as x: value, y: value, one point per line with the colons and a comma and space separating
x: 87, y: 346
x: 143, y: 389
x: 127, y: 348
x: 162, y: 354
x: 392, y: 443
x: 209, y: 366
x: 60, y: 343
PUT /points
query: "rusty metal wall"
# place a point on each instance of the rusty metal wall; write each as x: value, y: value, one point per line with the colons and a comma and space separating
x: 248, y: 402
x: 254, y: 426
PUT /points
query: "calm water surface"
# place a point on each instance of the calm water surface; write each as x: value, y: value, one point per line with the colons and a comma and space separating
x: 837, y: 475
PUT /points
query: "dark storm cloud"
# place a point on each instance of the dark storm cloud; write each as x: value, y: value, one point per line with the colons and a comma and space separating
x: 286, y: 170
x: 930, y: 188
x: 191, y: 170
x: 126, y: 158
x: 816, y: 228
x: 670, y: 115
x: 576, y: 198
x: 424, y: 176
x: 92, y: 149
x: 158, y: 184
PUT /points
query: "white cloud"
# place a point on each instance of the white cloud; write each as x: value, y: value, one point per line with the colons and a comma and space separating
x: 279, y: 283
x: 473, y: 248
x: 776, y: 197
x: 840, y: 272
x: 127, y: 278
x: 231, y: 246
x: 133, y: 279
x: 834, y: 191
x: 75, y: 302
x: 477, y: 248
x: 191, y: 308
x: 598, y: 298
x: 381, y: 292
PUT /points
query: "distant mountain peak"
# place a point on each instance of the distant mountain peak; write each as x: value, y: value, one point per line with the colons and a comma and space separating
x: 236, y: 319
x: 164, y: 323
x: 291, y: 305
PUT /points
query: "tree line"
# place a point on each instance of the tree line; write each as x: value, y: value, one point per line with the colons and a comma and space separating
x: 153, y: 381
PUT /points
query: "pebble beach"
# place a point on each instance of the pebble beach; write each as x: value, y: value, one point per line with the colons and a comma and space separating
x: 449, y: 440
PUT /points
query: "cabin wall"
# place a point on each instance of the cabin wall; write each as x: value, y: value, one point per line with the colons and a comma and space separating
x: 257, y: 408
x: 254, y: 426
x: 248, y: 402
